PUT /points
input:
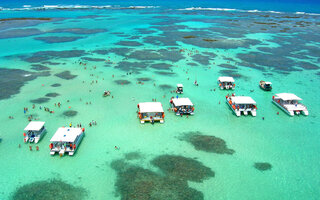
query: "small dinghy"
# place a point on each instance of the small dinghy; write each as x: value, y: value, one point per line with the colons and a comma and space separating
x: 267, y: 86
x: 106, y: 93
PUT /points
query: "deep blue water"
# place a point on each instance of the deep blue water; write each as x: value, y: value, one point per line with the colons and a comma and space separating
x: 311, y: 6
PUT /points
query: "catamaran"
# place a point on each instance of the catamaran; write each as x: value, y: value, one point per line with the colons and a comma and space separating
x: 66, y: 140
x: 289, y: 103
x: 182, y: 106
x: 150, y: 112
x: 242, y: 104
x: 226, y: 83
x: 34, y: 131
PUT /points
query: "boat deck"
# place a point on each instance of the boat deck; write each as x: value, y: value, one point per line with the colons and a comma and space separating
x: 293, y: 107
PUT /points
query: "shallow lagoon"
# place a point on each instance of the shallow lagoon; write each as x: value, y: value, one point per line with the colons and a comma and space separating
x: 268, y: 46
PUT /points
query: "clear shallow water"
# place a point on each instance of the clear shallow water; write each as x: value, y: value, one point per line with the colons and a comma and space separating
x: 289, y: 144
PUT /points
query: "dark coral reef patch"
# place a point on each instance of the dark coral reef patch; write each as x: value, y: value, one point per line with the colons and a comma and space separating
x: 65, y: 75
x: 16, y: 33
x: 182, y: 168
x: 49, y: 190
x: 40, y: 100
x: 166, y: 87
x: 129, y: 43
x: 11, y: 80
x: 39, y: 67
x: 122, y: 82
x: 262, y: 166
x: 207, y: 143
x: 134, y: 182
x: 70, y: 113
x: 78, y: 30
x: 52, y: 94
x: 56, y: 85
x: 42, y: 56
x: 56, y: 39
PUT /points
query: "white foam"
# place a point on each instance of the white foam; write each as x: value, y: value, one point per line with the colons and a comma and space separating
x: 271, y: 11
x: 253, y: 11
x: 304, y: 13
x: 49, y: 7
x: 217, y: 9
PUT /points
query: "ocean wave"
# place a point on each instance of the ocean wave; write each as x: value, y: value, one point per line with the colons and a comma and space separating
x: 240, y: 10
x: 79, y: 7
x: 214, y: 9
x: 304, y: 13
x: 74, y: 7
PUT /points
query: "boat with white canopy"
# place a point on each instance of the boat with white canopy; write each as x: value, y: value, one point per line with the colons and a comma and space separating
x: 66, y: 140
x: 226, y: 83
x: 242, y: 105
x: 179, y: 89
x: 150, y: 112
x: 34, y: 131
x: 182, y: 106
x: 290, y: 104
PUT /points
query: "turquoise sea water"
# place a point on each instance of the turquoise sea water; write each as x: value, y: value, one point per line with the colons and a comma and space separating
x: 140, y: 55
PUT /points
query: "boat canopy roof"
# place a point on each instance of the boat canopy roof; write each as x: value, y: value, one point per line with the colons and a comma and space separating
x: 225, y: 79
x: 66, y: 134
x: 288, y: 96
x: 243, y: 100
x: 182, y: 102
x: 150, y: 107
x: 268, y: 83
x: 179, y: 85
x: 34, y: 126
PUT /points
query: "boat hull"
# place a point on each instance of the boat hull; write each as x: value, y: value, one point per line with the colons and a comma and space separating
x: 285, y: 110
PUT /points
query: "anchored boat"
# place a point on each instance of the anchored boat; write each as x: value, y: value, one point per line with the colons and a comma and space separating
x: 66, y: 140
x: 267, y: 86
x: 226, y: 83
x: 179, y: 89
x: 150, y: 112
x: 34, y: 131
x: 182, y: 106
x: 106, y: 93
x: 289, y: 103
x: 242, y: 105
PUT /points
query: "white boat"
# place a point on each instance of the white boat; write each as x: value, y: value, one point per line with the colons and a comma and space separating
x: 226, y: 83
x: 34, y: 131
x: 242, y: 105
x: 150, y: 112
x: 182, y: 106
x: 66, y: 140
x: 179, y: 89
x: 267, y: 86
x: 289, y: 103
